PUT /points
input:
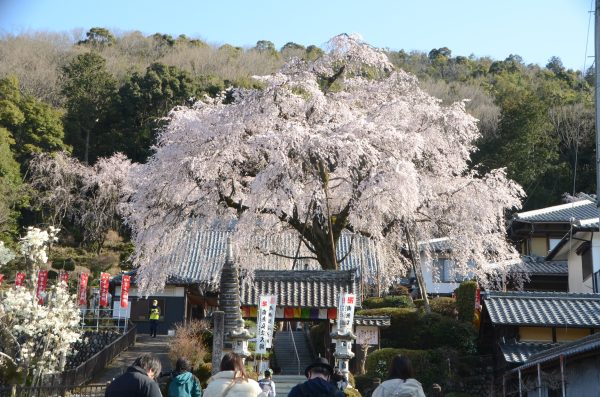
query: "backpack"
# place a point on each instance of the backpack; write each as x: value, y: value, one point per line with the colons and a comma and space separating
x: 266, y: 386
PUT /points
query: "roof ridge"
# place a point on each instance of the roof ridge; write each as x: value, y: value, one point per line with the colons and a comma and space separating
x: 547, y: 210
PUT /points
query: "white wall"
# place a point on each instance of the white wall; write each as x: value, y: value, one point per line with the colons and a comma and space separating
x: 169, y: 290
x: 576, y: 283
x: 435, y: 287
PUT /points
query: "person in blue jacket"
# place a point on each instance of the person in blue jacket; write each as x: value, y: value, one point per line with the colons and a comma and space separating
x: 184, y: 383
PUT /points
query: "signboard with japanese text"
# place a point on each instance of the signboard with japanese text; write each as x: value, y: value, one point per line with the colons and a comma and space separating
x: 262, y: 324
x: 271, y: 315
x: 345, y: 314
x: 104, y: 281
x: 19, y: 279
x: 1, y: 279
x: 366, y: 335
x: 82, y: 292
x: 42, y: 282
x: 125, y: 283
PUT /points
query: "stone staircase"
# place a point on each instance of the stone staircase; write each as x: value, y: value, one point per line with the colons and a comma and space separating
x: 286, y: 355
x: 284, y: 383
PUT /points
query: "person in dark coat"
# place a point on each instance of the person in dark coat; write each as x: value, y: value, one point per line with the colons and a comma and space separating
x: 138, y: 380
x: 318, y: 384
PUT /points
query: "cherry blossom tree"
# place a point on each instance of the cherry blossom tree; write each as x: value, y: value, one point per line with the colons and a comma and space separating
x: 344, y: 143
x: 36, y: 338
x: 88, y: 196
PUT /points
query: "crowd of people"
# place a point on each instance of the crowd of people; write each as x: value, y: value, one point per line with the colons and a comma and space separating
x: 232, y: 380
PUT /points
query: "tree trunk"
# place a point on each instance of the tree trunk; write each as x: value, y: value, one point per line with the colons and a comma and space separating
x: 413, y: 252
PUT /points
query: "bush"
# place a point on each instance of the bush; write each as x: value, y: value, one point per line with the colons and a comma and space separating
x: 399, y: 290
x: 444, y: 306
x: 465, y: 300
x: 429, y: 365
x: 318, y: 335
x: 388, y: 301
x: 189, y: 342
x: 412, y: 329
x: 203, y: 372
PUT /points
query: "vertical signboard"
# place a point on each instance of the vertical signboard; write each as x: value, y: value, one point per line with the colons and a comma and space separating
x: 82, y: 292
x: 104, y: 280
x: 42, y: 282
x: 1, y: 279
x: 19, y: 279
x: 262, y: 324
x: 125, y: 283
x: 271, y: 315
x: 345, y: 314
x: 64, y: 277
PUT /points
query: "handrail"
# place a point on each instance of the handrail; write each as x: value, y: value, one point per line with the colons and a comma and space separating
x: 294, y: 343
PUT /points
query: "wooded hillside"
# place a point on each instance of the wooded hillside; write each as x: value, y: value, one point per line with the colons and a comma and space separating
x: 99, y: 93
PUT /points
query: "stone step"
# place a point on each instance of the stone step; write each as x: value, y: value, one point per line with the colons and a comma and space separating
x: 284, y: 383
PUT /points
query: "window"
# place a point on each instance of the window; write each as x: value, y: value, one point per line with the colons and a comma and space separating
x: 587, y: 263
x: 553, y: 242
x: 442, y: 270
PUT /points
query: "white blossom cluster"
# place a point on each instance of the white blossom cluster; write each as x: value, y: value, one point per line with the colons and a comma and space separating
x: 345, y: 141
x: 6, y: 254
x: 45, y: 332
x: 34, y: 246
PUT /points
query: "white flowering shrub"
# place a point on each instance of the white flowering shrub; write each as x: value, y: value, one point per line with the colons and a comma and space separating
x: 44, y: 333
x: 36, y: 337
x: 34, y: 246
x: 6, y: 254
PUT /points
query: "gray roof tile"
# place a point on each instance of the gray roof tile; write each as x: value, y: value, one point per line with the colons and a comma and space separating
x: 519, y: 352
x: 299, y: 288
x: 563, y: 213
x: 589, y: 343
x: 536, y: 265
x: 543, y: 309
x: 201, y: 254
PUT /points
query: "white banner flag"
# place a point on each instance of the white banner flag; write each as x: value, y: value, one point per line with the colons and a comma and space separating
x: 262, y: 324
x: 345, y: 315
x: 271, y: 327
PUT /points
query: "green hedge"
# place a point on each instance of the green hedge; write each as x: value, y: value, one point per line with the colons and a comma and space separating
x: 413, y: 329
x: 465, y: 300
x: 429, y: 365
x: 444, y: 306
x: 388, y: 301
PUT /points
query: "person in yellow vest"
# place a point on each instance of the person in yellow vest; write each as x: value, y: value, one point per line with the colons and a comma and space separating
x: 154, y: 316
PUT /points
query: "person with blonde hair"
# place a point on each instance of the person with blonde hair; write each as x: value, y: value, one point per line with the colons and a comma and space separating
x: 232, y: 380
x: 401, y: 382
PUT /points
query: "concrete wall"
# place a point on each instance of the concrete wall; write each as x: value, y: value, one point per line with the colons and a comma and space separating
x: 576, y: 282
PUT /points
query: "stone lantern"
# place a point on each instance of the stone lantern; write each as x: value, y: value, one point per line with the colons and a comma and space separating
x: 239, y: 339
x: 343, y: 336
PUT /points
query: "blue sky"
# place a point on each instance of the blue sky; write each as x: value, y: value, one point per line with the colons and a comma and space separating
x: 533, y: 29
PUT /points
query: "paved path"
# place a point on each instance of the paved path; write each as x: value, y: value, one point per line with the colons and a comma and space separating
x: 143, y: 344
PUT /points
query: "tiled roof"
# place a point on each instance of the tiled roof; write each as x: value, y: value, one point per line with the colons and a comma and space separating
x: 436, y: 245
x: 519, y: 352
x: 201, y: 254
x: 543, y: 309
x: 299, y: 288
x: 566, y: 350
x: 536, y: 265
x: 379, y: 321
x: 563, y: 213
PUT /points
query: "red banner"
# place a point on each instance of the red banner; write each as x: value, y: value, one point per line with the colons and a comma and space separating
x: 19, y: 279
x: 64, y: 276
x: 41, y: 285
x: 125, y: 291
x: 1, y: 279
x: 104, y: 279
x: 82, y: 292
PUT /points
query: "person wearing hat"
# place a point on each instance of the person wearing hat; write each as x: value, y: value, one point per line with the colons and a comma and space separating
x: 318, y: 374
x: 154, y: 316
